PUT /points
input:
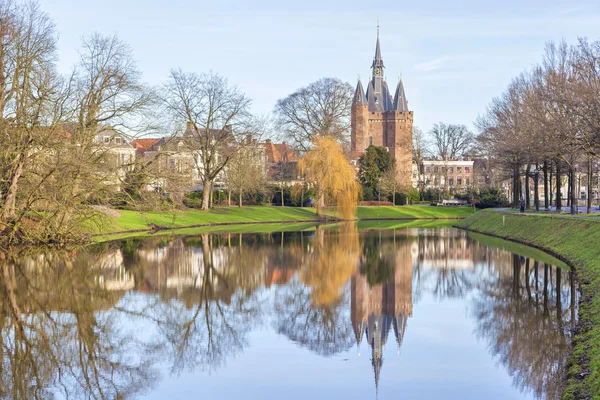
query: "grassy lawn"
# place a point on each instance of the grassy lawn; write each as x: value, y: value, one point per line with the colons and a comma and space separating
x: 228, y: 216
x: 576, y: 241
x: 132, y: 220
x: 412, y: 212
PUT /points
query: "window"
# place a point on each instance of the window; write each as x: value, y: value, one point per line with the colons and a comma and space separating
x: 106, y: 139
x: 435, y: 169
x: 467, y: 181
x: 370, y: 140
x: 414, y: 175
x: 466, y: 170
x: 459, y: 170
x: 459, y: 181
x: 451, y: 181
x: 118, y: 140
x: 450, y: 170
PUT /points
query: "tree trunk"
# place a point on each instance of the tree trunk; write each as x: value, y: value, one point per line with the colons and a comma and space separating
x: 516, y: 188
x: 558, y: 188
x: 229, y: 197
x: 206, y: 195
x: 589, y: 185
x: 545, y: 169
x: 282, y: 201
x: 573, y: 183
x: 394, y: 199
x: 550, y: 189
x: 527, y: 201
x: 569, y: 183
x: 241, y: 197
x: 8, y: 209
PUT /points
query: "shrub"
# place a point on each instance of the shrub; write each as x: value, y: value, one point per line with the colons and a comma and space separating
x: 491, y: 198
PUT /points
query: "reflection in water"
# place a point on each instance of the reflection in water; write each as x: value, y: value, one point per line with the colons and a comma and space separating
x: 520, y: 314
x: 105, y: 321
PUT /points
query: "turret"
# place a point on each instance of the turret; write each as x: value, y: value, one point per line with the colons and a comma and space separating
x: 359, y: 120
x: 400, y: 102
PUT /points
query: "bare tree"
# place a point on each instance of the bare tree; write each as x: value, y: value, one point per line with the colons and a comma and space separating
x: 219, y: 118
x: 27, y: 84
x: 320, y: 109
x: 451, y: 141
x: 246, y: 171
x: 419, y: 153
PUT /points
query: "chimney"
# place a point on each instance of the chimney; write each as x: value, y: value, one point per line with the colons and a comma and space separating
x: 189, y: 128
x: 268, y: 141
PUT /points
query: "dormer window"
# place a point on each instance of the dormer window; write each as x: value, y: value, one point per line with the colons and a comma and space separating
x: 106, y: 139
x: 118, y: 140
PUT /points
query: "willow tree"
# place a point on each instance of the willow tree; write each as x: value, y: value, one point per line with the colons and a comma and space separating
x: 334, y: 178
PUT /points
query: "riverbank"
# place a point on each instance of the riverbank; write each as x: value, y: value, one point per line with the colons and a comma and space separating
x: 130, y: 222
x: 574, y: 241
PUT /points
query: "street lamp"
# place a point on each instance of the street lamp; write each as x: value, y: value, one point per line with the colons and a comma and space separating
x: 536, y: 175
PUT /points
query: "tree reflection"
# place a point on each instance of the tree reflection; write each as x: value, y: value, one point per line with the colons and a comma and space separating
x: 377, y: 265
x: 315, y: 314
x: 525, y: 335
x: 55, y: 337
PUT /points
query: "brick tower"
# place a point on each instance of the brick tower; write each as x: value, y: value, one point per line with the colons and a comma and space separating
x: 379, y: 119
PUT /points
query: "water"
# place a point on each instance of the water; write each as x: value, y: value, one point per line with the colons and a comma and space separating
x: 330, y: 313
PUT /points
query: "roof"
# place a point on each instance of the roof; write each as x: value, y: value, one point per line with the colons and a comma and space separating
x: 111, y: 134
x: 141, y: 145
x: 359, y: 95
x: 400, y: 102
x: 278, y: 152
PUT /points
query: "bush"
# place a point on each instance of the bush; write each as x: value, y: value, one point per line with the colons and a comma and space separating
x: 405, y: 198
x: 193, y: 199
x: 490, y: 198
x: 367, y: 193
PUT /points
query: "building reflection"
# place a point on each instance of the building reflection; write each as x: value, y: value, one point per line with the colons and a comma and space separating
x: 378, y: 307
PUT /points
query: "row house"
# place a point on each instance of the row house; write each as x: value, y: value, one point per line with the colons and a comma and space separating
x: 455, y: 176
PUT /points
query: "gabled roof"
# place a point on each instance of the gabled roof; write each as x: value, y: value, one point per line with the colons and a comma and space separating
x: 112, y: 143
x: 141, y: 145
x: 278, y: 152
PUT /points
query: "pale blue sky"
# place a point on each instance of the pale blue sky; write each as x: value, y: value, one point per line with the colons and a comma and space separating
x: 454, y: 56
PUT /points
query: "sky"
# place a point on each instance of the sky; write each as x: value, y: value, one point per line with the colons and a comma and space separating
x: 454, y: 57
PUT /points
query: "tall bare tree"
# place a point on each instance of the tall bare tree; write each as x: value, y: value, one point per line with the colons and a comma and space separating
x: 218, y: 119
x: 450, y: 141
x: 27, y: 83
x: 322, y: 109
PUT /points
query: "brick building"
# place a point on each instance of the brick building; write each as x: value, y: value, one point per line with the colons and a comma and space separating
x: 382, y: 120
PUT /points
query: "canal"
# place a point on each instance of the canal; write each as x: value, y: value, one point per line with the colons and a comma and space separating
x: 329, y: 312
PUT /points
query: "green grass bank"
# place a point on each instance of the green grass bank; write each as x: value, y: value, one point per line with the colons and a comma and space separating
x: 246, y: 218
x: 575, y: 241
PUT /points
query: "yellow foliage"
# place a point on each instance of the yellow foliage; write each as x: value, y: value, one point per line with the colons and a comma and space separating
x: 332, y: 263
x: 329, y: 170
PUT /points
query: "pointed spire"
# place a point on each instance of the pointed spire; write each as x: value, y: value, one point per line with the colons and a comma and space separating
x: 359, y: 95
x: 400, y: 102
x: 377, y: 60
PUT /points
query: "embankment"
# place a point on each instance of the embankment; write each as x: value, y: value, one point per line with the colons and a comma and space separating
x: 131, y: 222
x: 576, y: 241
